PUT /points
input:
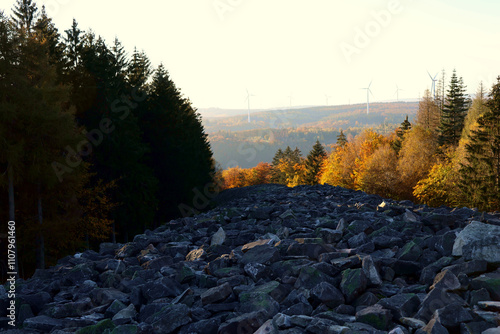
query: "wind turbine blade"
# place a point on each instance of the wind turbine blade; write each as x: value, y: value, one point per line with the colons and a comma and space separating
x: 370, y: 84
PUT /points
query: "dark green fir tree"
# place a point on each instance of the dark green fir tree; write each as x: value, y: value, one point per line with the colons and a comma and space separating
x: 454, y: 112
x: 341, y: 139
x: 313, y: 163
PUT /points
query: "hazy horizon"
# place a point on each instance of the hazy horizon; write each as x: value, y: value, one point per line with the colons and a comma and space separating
x: 311, y: 51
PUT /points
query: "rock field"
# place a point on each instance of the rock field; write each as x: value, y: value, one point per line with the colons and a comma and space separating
x: 272, y: 259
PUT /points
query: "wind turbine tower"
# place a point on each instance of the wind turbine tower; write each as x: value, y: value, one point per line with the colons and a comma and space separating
x: 397, y: 92
x: 327, y: 97
x: 248, y: 101
x: 368, y: 92
x: 433, y: 87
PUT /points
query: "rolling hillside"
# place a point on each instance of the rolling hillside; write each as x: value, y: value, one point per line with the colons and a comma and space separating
x: 235, y: 142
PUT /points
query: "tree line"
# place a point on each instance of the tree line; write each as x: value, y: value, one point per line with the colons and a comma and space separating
x: 449, y: 155
x: 94, y: 144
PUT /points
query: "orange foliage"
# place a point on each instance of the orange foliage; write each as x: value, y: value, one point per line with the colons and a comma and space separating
x: 380, y: 174
x: 97, y: 206
x: 346, y: 165
x: 237, y: 177
x: 416, y: 158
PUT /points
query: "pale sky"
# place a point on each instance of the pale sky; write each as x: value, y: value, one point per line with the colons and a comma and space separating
x: 216, y: 49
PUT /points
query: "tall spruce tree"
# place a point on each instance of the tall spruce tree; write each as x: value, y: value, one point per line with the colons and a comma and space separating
x: 276, y: 175
x: 341, y: 139
x: 480, y: 175
x: 25, y: 14
x: 36, y: 104
x: 100, y: 93
x: 180, y: 153
x: 74, y: 43
x: 454, y: 112
x: 314, y: 162
x: 139, y: 68
x: 47, y: 31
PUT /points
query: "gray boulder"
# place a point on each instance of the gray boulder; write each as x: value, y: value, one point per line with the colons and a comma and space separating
x: 478, y: 241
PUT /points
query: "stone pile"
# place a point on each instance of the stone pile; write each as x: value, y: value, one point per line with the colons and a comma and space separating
x: 272, y: 259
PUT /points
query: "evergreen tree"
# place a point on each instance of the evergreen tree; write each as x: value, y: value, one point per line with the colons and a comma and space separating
x: 139, y: 68
x: 454, y: 111
x: 119, y: 57
x: 73, y: 42
x: 100, y: 93
x: 277, y: 157
x: 276, y: 175
x: 47, y: 31
x: 283, y: 164
x: 180, y: 154
x: 35, y: 103
x: 296, y: 156
x: 25, y: 14
x: 341, y: 139
x: 314, y: 162
x: 480, y: 175
x: 400, y: 134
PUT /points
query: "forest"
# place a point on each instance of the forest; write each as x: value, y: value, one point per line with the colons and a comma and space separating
x: 95, y: 144
x: 449, y: 155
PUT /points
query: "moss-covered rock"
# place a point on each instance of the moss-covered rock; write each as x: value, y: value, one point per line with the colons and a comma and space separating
x: 410, y: 252
x: 490, y: 282
x: 353, y: 284
x: 98, y: 328
x: 375, y: 316
x: 309, y: 277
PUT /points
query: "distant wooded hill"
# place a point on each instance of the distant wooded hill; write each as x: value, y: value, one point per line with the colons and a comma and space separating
x: 235, y: 142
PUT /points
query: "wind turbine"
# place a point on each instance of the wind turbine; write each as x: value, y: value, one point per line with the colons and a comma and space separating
x: 248, y: 101
x: 327, y: 96
x: 368, y: 92
x: 290, y: 97
x: 433, y: 87
x: 397, y: 92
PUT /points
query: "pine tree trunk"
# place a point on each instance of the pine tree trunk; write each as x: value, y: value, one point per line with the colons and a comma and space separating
x: 113, y: 234
x: 12, y: 211
x: 40, y: 256
x: 87, y: 241
x: 10, y: 174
